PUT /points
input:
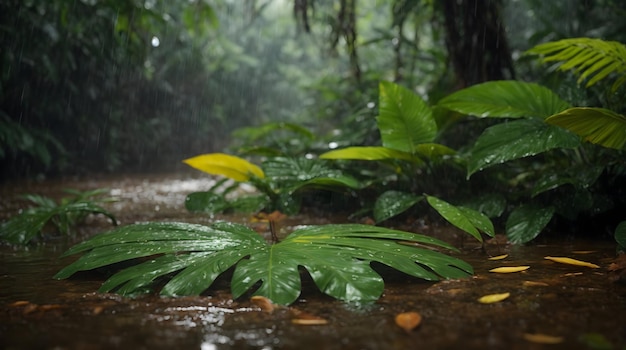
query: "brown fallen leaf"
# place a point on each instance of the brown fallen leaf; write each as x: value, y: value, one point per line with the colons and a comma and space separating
x: 97, y: 310
x: 19, y: 303
x: 48, y: 307
x: 617, y: 269
x: 408, y: 320
x: 264, y: 303
x: 571, y: 274
x: 543, y: 338
x: 499, y: 257
x: 509, y: 269
x: 493, y: 298
x: 534, y: 284
x: 570, y: 261
x: 306, y: 319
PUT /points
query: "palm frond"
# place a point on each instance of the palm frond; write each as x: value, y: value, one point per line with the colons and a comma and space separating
x: 592, y: 59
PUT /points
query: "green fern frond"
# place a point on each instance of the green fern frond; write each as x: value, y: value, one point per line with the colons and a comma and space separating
x: 592, y: 59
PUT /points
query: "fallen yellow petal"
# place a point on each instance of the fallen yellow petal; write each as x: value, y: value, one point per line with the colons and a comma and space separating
x: 509, y: 269
x: 499, y: 257
x: 493, y: 298
x: 543, y: 338
x: 570, y: 261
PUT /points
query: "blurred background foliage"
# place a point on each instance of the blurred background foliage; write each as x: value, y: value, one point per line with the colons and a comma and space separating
x: 130, y: 85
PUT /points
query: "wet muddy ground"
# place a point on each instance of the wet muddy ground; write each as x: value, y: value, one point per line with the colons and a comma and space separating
x: 573, y: 307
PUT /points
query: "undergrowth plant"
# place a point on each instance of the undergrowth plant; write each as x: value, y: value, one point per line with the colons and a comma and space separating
x: 547, y: 147
x: 29, y: 225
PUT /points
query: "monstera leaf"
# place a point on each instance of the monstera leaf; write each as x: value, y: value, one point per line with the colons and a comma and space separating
x: 337, y: 257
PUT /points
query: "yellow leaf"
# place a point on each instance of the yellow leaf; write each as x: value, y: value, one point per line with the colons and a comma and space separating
x: 499, y: 257
x: 543, y: 338
x: 408, y: 320
x: 509, y: 269
x: 570, y: 261
x: 493, y: 298
x: 232, y: 167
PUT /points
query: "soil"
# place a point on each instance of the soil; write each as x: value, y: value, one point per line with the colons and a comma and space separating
x: 550, y: 305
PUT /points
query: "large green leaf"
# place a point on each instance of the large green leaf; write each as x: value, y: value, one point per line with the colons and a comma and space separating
x: 527, y: 221
x: 590, y: 58
x: 404, y: 119
x: 505, y: 99
x: 517, y: 139
x: 596, y: 125
x: 337, y: 257
x: 468, y: 220
x: 392, y: 203
x: 490, y: 204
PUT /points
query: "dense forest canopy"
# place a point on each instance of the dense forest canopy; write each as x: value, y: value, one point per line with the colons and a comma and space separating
x: 115, y: 85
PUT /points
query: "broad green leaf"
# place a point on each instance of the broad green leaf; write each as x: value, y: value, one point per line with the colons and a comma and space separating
x: 232, y: 167
x: 337, y: 257
x: 206, y: 202
x: 527, y: 221
x: 505, y: 99
x: 596, y: 125
x: 620, y: 234
x: 579, y: 176
x: 368, y: 153
x: 491, y: 204
x: 479, y: 220
x: 468, y: 220
x: 404, y: 120
x: 517, y: 139
x: 392, y: 203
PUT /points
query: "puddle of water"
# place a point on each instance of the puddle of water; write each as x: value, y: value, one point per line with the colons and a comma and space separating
x: 575, y: 303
